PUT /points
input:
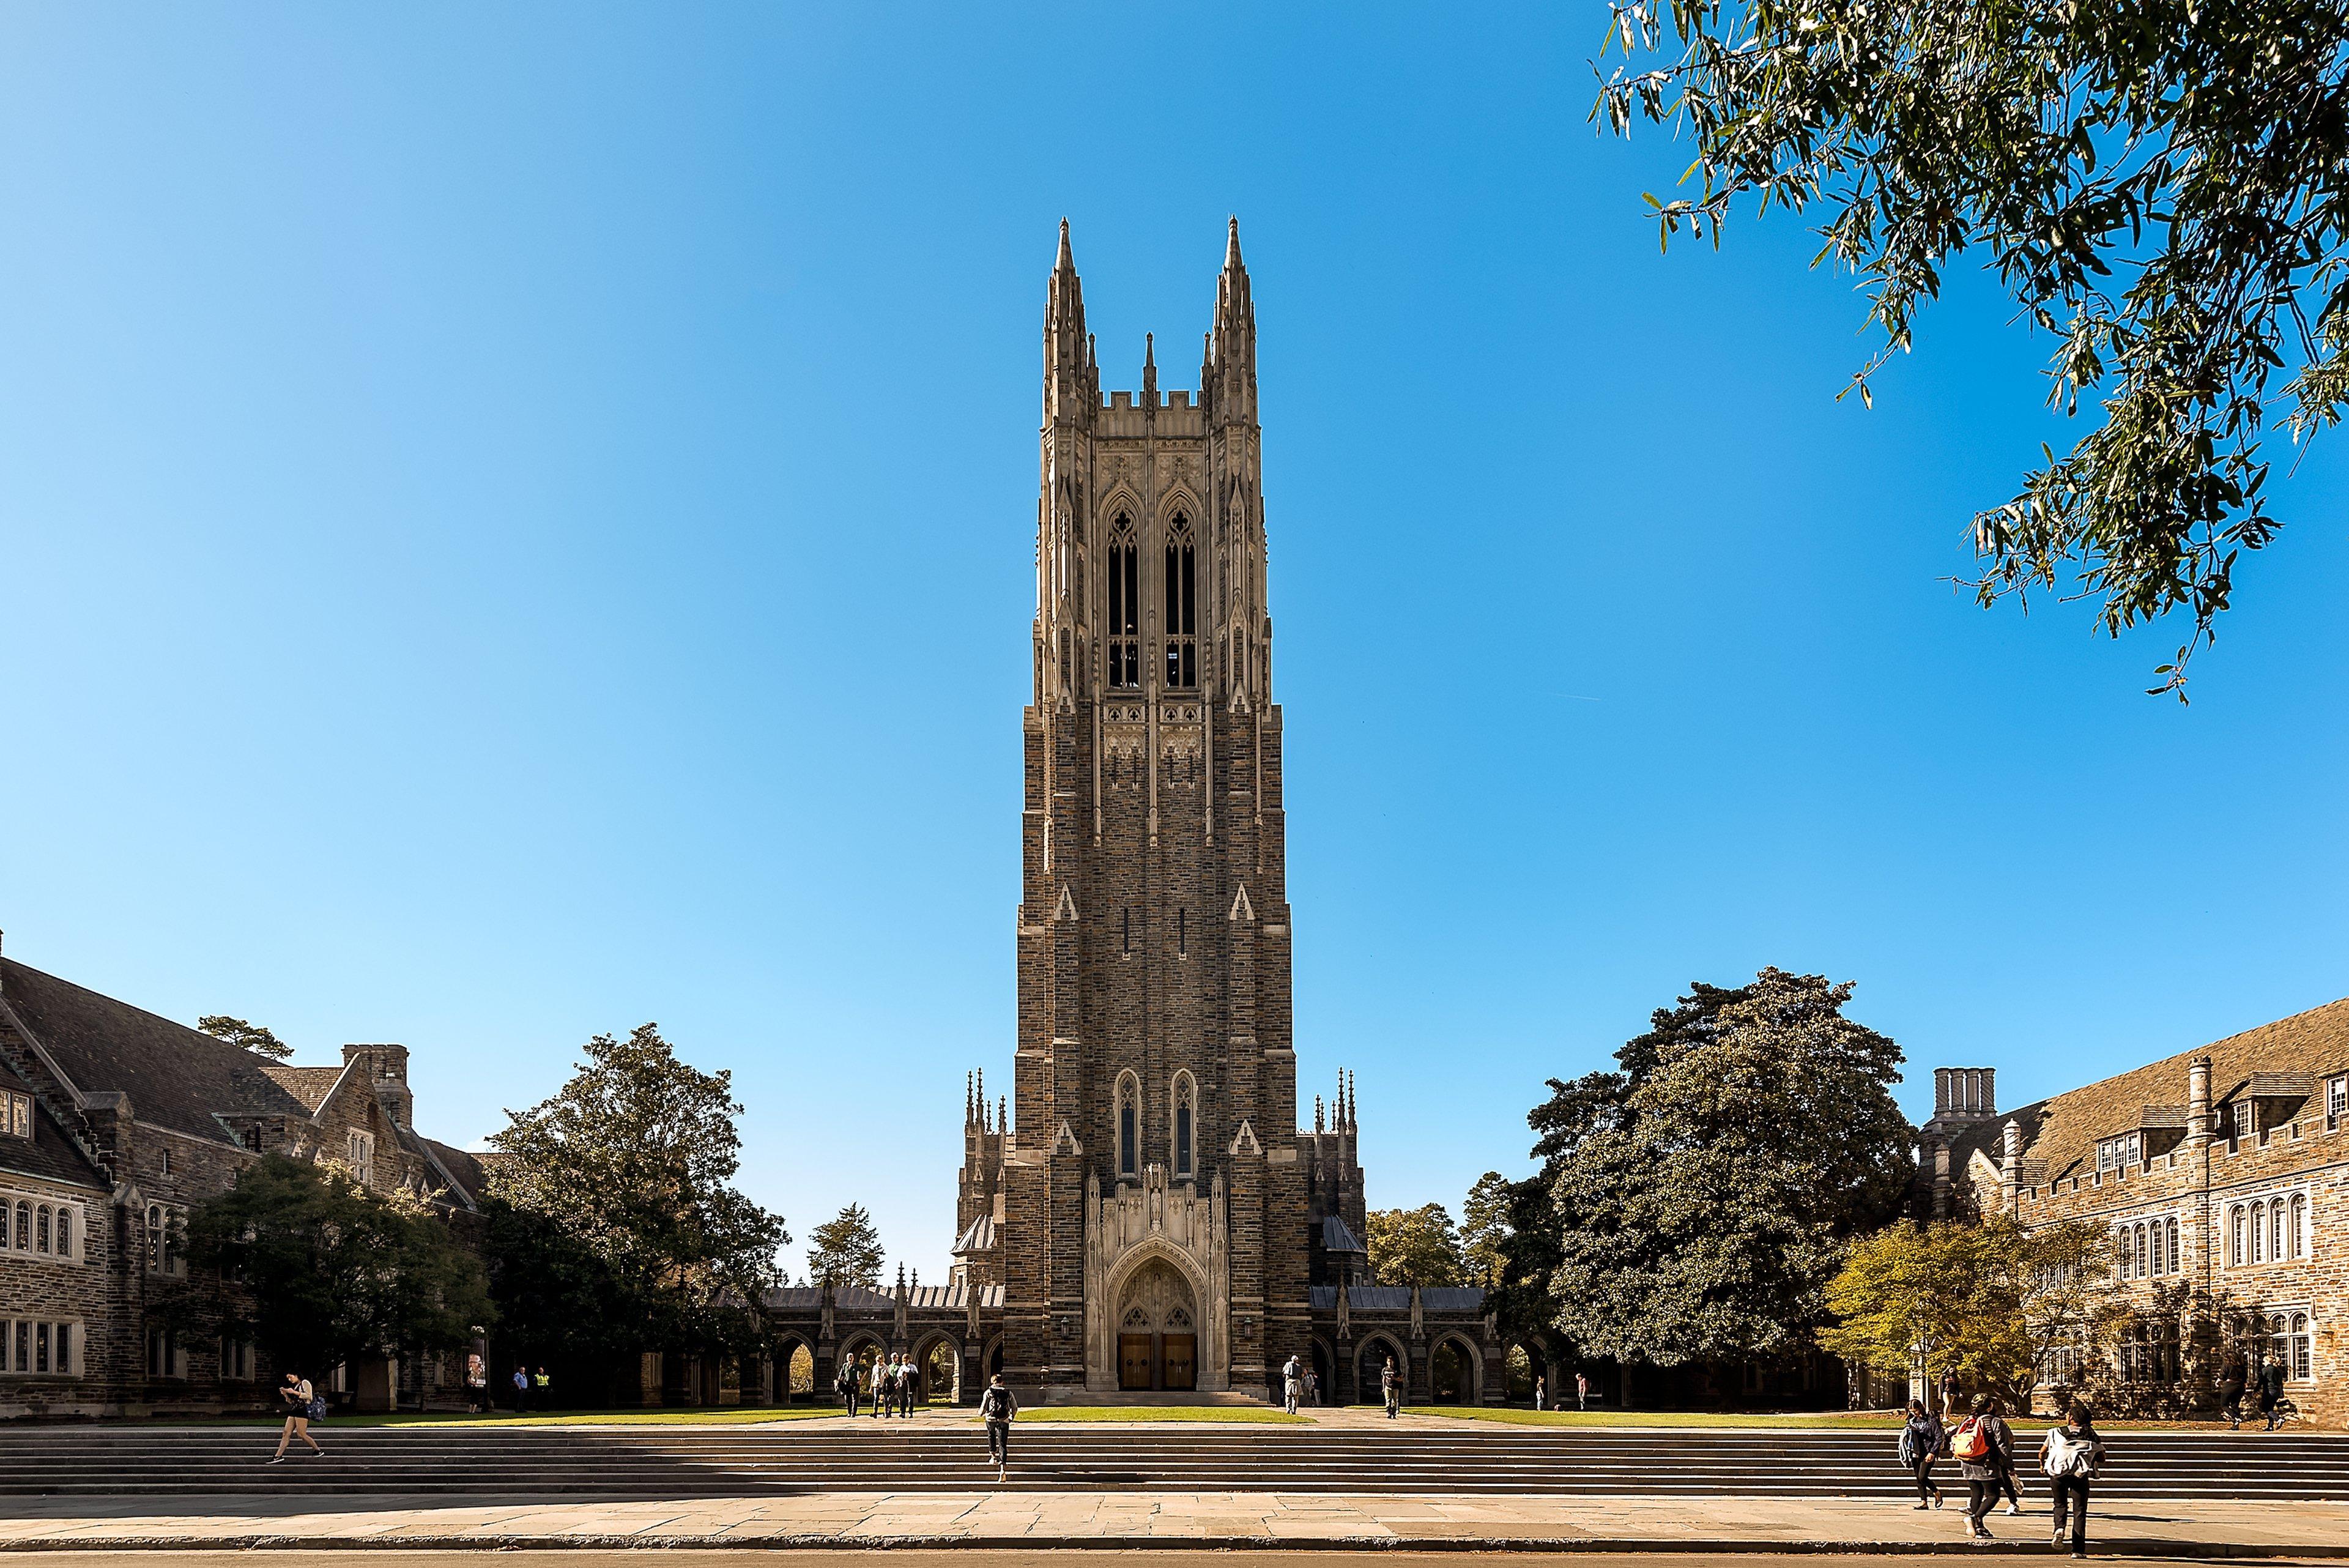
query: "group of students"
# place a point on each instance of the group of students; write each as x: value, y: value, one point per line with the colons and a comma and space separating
x: 2263, y: 1379
x: 893, y: 1386
x: 2070, y: 1455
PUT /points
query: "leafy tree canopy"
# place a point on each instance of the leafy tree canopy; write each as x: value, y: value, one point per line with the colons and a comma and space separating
x: 1699, y: 1195
x: 1414, y: 1247
x: 1990, y: 1302
x: 336, y: 1272
x: 1485, y: 1228
x: 2162, y: 185
x: 846, y: 1250
x: 635, y: 1160
x: 252, y: 1036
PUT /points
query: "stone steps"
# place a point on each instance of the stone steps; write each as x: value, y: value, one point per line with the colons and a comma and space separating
x: 451, y: 1462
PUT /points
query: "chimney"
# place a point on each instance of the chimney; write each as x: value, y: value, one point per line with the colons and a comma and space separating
x: 2198, y: 1100
x: 1963, y: 1094
x: 2009, y: 1165
x: 387, y: 1065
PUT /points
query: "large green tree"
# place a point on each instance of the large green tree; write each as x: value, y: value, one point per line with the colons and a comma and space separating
x: 1700, y: 1195
x: 2162, y: 186
x: 632, y: 1164
x: 1415, y: 1246
x: 1485, y: 1229
x: 319, y: 1269
x: 846, y: 1250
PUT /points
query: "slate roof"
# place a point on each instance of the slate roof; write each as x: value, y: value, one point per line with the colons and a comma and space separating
x: 48, y: 1154
x: 1397, y: 1298
x: 2060, y: 1133
x: 466, y: 1170
x: 176, y: 1077
x: 978, y: 1237
x: 311, y: 1085
x: 1337, y: 1237
x: 856, y: 1298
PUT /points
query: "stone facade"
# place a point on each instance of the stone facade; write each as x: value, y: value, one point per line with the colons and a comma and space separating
x: 122, y: 1122
x: 1143, y: 1201
x: 2223, y: 1174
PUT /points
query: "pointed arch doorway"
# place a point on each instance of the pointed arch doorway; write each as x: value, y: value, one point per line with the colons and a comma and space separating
x: 1157, y: 1330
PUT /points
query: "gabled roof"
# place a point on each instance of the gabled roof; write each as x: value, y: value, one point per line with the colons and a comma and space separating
x: 176, y: 1078
x: 311, y: 1085
x: 48, y: 1154
x: 2060, y: 1133
x: 979, y: 1236
x: 1337, y: 1237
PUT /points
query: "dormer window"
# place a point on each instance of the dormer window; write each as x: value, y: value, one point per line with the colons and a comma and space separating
x: 2119, y: 1153
x: 16, y: 1114
x: 2336, y: 1103
x: 2242, y: 1118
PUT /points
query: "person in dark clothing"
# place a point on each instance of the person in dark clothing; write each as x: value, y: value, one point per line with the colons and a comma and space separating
x: 1921, y: 1445
x: 845, y: 1385
x: 1391, y: 1385
x: 2232, y: 1376
x: 2071, y: 1455
x: 1983, y: 1446
x: 997, y: 1407
x: 2272, y: 1392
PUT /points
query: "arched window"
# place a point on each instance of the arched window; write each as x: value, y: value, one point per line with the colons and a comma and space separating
x: 1124, y: 607
x: 1129, y: 1125
x: 2297, y: 1362
x: 2300, y: 1224
x: 2121, y: 1253
x: 2140, y: 1253
x: 2176, y: 1267
x: 2235, y: 1254
x: 23, y: 1227
x: 41, y: 1229
x: 1186, y: 1099
x: 155, y: 1237
x: 64, y: 1232
x: 1182, y: 608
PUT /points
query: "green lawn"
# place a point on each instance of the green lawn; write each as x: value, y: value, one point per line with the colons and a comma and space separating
x: 719, y: 1415
x: 1258, y: 1413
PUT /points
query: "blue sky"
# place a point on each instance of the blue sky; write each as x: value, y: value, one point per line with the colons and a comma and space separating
x: 517, y: 521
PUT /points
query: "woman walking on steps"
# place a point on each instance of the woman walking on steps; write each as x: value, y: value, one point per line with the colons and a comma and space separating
x: 1921, y: 1445
x: 1984, y: 1447
x: 2071, y: 1455
x: 303, y: 1406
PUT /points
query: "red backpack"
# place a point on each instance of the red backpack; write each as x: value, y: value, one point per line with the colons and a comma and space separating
x: 1973, y: 1441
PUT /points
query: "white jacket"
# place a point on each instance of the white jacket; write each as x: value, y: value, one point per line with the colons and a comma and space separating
x: 2061, y: 1454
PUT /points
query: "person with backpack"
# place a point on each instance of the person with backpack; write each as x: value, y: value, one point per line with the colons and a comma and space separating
x: 995, y: 1407
x: 2006, y: 1460
x: 2272, y: 1406
x: 1982, y: 1446
x: 303, y: 1406
x: 2071, y: 1455
x: 2231, y: 1379
x: 1920, y: 1444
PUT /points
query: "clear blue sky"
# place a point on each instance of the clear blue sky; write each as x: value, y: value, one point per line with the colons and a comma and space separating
x: 517, y: 521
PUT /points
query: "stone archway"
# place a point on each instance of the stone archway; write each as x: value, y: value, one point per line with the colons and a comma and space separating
x: 1156, y: 1314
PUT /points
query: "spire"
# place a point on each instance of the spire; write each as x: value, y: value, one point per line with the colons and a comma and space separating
x: 1316, y: 1114
x: 1232, y: 345
x: 1150, y: 369
x: 1068, y: 260
x: 1231, y: 245
x: 1066, y: 342
x: 969, y: 1102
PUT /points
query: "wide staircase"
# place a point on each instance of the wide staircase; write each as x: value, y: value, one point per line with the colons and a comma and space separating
x: 455, y: 1462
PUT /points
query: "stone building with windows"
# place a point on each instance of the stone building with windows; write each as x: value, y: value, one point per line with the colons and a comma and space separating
x: 114, y: 1123
x: 1144, y: 1211
x: 2223, y: 1174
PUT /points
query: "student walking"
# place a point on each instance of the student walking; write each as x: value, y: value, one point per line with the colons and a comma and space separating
x: 1982, y: 1444
x: 995, y: 1407
x: 2232, y: 1376
x: 1391, y: 1385
x: 2071, y: 1455
x: 303, y: 1406
x: 845, y: 1384
x: 880, y: 1387
x: 1541, y: 1394
x: 2272, y: 1392
x: 909, y: 1386
x: 1921, y: 1445
x: 1582, y: 1391
x: 2007, y: 1460
x: 1292, y: 1384
x: 1313, y: 1387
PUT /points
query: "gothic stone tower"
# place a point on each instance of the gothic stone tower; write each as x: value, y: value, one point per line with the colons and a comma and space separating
x: 1150, y: 1217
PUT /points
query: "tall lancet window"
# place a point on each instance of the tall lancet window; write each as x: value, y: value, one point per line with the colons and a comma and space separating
x: 1182, y: 607
x: 1186, y: 1098
x: 1129, y: 1125
x: 1124, y: 607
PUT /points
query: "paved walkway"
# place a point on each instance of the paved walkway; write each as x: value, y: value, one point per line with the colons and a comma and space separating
x: 1164, y: 1519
